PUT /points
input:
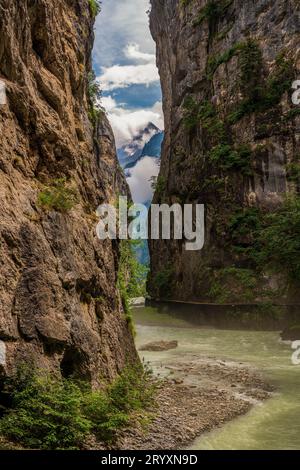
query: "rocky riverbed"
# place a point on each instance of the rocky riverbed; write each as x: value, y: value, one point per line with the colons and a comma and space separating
x: 198, y: 396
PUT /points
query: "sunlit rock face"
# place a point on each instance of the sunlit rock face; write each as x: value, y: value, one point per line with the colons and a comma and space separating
x: 231, y: 132
x: 59, y: 305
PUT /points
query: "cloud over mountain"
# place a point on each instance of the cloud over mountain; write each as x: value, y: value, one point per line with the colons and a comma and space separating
x: 127, y: 123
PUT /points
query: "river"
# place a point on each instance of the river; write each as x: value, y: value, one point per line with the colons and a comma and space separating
x: 272, y: 424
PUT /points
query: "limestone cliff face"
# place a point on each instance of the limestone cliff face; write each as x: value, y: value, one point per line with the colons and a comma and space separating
x: 232, y: 132
x: 59, y: 305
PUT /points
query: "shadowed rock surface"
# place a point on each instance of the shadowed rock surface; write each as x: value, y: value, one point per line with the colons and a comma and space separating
x: 291, y: 333
x: 59, y: 305
x: 231, y: 133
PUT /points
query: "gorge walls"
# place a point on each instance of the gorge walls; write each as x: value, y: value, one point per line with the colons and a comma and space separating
x: 60, y: 308
x: 231, y: 142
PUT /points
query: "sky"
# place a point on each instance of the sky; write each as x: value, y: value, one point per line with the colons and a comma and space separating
x: 140, y: 182
x: 124, y: 62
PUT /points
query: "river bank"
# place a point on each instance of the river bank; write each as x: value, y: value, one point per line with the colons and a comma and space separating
x: 184, y: 410
x: 215, y: 353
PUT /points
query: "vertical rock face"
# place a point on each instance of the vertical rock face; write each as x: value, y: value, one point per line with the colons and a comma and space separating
x: 59, y: 305
x: 227, y: 69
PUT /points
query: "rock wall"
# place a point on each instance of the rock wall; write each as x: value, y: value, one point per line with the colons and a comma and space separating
x: 232, y: 132
x: 59, y: 305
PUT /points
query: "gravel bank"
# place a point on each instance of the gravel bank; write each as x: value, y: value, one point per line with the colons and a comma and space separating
x: 184, y: 410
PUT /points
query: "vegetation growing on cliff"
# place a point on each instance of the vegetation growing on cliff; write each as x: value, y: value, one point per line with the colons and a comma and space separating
x: 215, y: 61
x: 234, y: 284
x: 159, y: 185
x: 59, y: 196
x: 204, y: 112
x: 162, y: 282
x: 213, y: 11
x: 132, y: 277
x: 293, y: 172
x: 265, y: 243
x: 227, y: 157
x: 270, y: 240
x: 94, y: 94
x: 266, y: 94
x: 95, y: 7
x: 51, y: 413
x: 259, y: 95
x: 279, y: 240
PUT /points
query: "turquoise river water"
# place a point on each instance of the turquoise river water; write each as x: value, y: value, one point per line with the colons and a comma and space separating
x: 273, y: 424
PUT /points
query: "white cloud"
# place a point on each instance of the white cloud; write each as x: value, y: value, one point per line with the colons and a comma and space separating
x: 122, y: 76
x: 140, y: 179
x: 127, y: 123
x: 119, y: 23
x: 124, y: 56
x: 108, y: 103
x: 132, y: 51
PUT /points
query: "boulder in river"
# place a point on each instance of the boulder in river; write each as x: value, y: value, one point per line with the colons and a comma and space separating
x: 159, y: 346
x: 137, y: 302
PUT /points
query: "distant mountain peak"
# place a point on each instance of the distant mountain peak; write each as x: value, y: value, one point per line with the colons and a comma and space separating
x: 131, y: 152
x: 152, y: 126
x: 145, y: 134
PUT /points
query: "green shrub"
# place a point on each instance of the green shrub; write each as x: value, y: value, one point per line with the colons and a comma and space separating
x: 270, y: 241
x: 264, y: 96
x: 46, y: 414
x: 292, y: 113
x: 95, y: 111
x: 111, y: 410
x: 234, y: 284
x: 293, y: 172
x: 226, y: 157
x: 105, y: 420
x: 94, y: 90
x: 52, y: 413
x: 251, y: 67
x: 132, y: 277
x: 213, y: 11
x: 95, y: 114
x: 191, y: 117
x: 58, y: 196
x: 279, y: 240
x: 162, y: 282
x: 95, y: 7
x: 278, y: 82
x: 160, y: 185
x: 211, y: 121
x: 204, y: 113
x: 244, y: 224
x: 130, y: 390
x: 215, y: 61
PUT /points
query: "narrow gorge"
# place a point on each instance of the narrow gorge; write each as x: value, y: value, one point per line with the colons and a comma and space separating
x: 112, y: 335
